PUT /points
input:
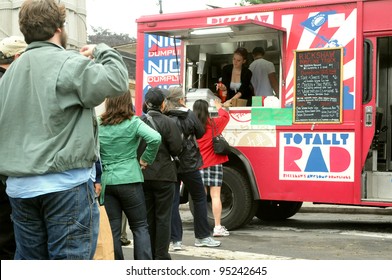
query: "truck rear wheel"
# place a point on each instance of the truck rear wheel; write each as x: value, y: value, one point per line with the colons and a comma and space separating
x: 277, y: 210
x: 238, y: 206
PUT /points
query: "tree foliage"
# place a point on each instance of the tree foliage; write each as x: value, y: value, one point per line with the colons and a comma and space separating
x: 101, y: 35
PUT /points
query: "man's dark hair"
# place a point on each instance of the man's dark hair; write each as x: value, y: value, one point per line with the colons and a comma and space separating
x: 39, y: 19
x: 258, y: 50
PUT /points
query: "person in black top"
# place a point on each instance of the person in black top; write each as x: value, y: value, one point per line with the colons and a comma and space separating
x: 236, y: 79
x: 190, y: 161
x: 161, y: 176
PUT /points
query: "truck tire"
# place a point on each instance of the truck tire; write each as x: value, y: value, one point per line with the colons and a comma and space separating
x: 238, y: 206
x: 270, y: 210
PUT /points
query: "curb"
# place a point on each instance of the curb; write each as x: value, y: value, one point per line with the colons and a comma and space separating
x: 346, y: 210
x: 315, y: 208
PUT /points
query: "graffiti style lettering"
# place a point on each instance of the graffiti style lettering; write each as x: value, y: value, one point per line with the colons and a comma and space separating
x: 164, y: 52
x: 317, y: 156
x: 316, y: 161
x: 339, y: 159
x: 161, y: 41
x: 292, y: 154
x: 170, y: 79
x: 316, y: 139
x: 163, y: 66
x: 261, y: 17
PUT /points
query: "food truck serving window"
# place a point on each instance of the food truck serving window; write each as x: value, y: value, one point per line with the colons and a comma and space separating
x: 239, y: 31
x: 205, y: 50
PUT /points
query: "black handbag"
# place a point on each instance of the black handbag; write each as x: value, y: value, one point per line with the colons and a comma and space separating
x: 221, y: 146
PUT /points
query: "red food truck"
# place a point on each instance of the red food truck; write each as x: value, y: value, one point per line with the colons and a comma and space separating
x: 329, y: 140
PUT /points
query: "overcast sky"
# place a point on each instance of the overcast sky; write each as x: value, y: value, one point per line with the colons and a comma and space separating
x: 119, y: 16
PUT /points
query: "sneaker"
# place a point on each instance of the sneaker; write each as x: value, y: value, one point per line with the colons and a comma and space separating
x: 207, y: 242
x: 220, y: 231
x: 125, y: 242
x: 177, y: 245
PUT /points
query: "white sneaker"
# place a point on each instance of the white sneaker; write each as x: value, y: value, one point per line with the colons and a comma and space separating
x: 177, y: 245
x: 207, y: 242
x: 220, y: 231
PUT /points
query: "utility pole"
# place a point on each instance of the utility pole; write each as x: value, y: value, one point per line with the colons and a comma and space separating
x: 160, y: 7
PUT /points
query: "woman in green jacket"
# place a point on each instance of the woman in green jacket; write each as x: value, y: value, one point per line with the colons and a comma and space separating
x: 120, y: 132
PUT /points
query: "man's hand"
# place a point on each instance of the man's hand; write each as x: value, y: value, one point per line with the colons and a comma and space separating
x: 87, y: 51
x: 98, y: 188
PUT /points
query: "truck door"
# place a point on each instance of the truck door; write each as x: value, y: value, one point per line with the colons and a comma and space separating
x: 377, y: 93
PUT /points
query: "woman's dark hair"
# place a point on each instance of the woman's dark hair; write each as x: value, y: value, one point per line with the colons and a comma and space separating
x: 242, y: 52
x: 39, y: 19
x: 200, y: 108
x: 118, y: 109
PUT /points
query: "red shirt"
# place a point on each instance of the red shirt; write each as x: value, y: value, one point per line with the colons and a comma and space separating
x: 205, y: 143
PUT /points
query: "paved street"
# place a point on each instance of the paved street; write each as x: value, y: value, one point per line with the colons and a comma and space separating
x: 316, y: 232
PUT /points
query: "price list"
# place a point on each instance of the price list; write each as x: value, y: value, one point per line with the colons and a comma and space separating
x: 318, y: 86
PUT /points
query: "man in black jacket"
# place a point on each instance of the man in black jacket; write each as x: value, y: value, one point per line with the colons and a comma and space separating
x: 10, y: 49
x: 160, y: 177
x: 190, y: 161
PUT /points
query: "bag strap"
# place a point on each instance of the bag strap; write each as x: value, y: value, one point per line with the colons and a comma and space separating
x: 213, y: 125
x: 151, y: 120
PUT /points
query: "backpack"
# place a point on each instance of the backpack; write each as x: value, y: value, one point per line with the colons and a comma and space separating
x: 188, y: 159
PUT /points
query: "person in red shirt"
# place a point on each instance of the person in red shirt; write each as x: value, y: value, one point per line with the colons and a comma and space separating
x: 212, y: 169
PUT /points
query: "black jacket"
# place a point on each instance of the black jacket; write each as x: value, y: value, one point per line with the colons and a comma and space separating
x: 192, y: 129
x: 164, y: 167
x: 2, y: 71
x: 246, y: 86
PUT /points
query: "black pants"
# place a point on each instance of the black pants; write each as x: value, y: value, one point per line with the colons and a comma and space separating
x: 7, y: 239
x: 159, y: 200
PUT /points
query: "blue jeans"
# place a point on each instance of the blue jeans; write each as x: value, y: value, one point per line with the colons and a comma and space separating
x: 130, y: 199
x: 194, y: 183
x: 60, y: 225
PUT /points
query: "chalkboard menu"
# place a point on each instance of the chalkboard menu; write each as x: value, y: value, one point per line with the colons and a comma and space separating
x: 318, y: 86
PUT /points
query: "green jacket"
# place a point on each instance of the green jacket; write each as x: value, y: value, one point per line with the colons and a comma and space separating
x: 118, y: 148
x: 47, y: 100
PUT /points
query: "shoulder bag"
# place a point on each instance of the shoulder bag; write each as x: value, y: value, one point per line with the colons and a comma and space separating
x: 221, y: 146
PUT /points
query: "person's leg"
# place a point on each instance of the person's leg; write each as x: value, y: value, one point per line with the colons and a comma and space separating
x: 195, y: 186
x: 7, y: 238
x: 134, y: 206
x: 164, y: 194
x: 30, y: 230
x: 213, y: 177
x: 219, y: 230
x: 60, y: 225
x: 216, y: 204
x: 114, y: 212
x: 124, y: 235
x: 176, y: 223
x: 150, y: 209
